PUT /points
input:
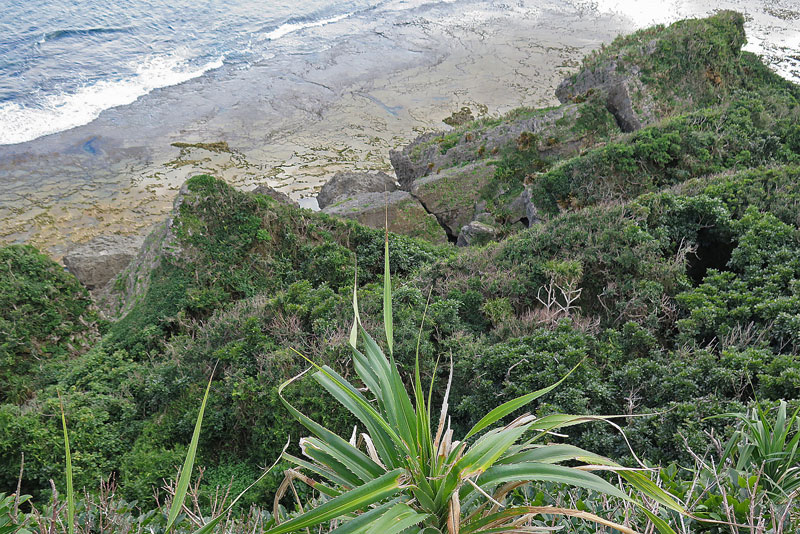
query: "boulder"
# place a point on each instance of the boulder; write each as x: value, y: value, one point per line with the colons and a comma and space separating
x: 451, y: 195
x: 432, y: 152
x: 406, y: 214
x: 476, y: 233
x: 266, y: 190
x: 95, y: 263
x: 347, y: 184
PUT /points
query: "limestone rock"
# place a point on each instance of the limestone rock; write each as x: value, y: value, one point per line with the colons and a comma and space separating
x: 406, y: 214
x: 476, y: 233
x: 101, y: 259
x: 120, y: 294
x: 347, y: 184
x: 616, y: 84
x: 451, y: 194
x: 522, y: 209
x: 432, y: 152
x: 266, y: 190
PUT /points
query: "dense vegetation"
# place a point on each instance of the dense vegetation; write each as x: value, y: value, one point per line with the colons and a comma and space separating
x: 667, y: 262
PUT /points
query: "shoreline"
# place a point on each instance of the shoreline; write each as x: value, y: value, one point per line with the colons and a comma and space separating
x: 290, y: 122
x: 338, y: 119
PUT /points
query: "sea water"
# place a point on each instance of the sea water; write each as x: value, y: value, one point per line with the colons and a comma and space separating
x: 63, y: 62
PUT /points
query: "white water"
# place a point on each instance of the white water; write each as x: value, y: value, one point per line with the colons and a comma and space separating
x: 67, y: 110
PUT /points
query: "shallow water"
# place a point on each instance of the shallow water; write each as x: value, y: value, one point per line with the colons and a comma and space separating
x: 305, y: 98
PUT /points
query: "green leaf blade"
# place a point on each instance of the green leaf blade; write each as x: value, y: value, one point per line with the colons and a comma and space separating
x: 186, y: 471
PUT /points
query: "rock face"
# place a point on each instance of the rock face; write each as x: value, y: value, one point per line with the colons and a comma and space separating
x: 616, y: 84
x: 430, y: 153
x: 476, y: 233
x: 95, y: 263
x: 266, y: 190
x: 121, y: 293
x: 662, y: 70
x: 406, y: 214
x: 522, y: 209
x: 451, y: 195
x: 348, y: 184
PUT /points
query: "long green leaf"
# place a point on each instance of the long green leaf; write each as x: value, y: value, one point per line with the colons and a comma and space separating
x: 650, y: 489
x: 535, y: 471
x: 209, y: 527
x: 188, y: 464
x: 70, y: 489
x: 388, y: 325
x: 382, y: 440
x: 551, y: 454
x: 514, y: 404
x: 361, y: 523
x: 662, y: 526
x: 398, y: 518
x: 555, y: 453
x: 394, y: 395
x: 356, y: 499
x: 488, y: 449
x: 355, y: 460
x: 319, y: 470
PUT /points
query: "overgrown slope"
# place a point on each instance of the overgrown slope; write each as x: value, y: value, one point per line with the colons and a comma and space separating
x: 666, y: 259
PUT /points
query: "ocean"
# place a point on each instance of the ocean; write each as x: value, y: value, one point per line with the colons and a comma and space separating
x: 63, y: 62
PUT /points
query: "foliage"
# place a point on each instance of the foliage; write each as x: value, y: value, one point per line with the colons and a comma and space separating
x: 749, y: 130
x: 749, y: 483
x: 770, y: 450
x: 666, y: 261
x: 10, y: 520
x: 410, y: 476
x: 44, y: 314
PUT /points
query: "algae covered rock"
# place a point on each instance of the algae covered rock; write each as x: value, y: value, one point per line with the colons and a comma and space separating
x: 451, y: 195
x: 347, y: 184
x: 485, y: 138
x: 405, y: 214
x: 476, y: 233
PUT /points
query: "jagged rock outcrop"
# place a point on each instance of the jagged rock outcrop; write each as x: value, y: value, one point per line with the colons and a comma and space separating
x: 120, y: 294
x: 451, y: 194
x: 348, y: 184
x: 101, y: 259
x: 616, y: 84
x: 476, y: 233
x: 522, y: 209
x: 432, y: 152
x: 272, y: 193
x: 662, y: 70
x: 405, y: 214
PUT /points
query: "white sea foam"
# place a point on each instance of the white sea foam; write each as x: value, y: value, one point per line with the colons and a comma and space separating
x: 291, y: 27
x: 55, y: 113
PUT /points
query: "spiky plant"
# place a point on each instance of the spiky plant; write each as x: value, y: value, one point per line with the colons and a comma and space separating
x: 769, y: 448
x: 405, y: 474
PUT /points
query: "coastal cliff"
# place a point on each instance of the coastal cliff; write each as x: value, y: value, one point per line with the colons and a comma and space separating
x: 646, y: 229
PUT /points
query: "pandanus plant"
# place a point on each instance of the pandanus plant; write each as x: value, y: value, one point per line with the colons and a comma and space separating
x: 405, y: 474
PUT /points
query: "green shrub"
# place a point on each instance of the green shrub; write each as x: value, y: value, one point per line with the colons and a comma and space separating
x: 44, y: 314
